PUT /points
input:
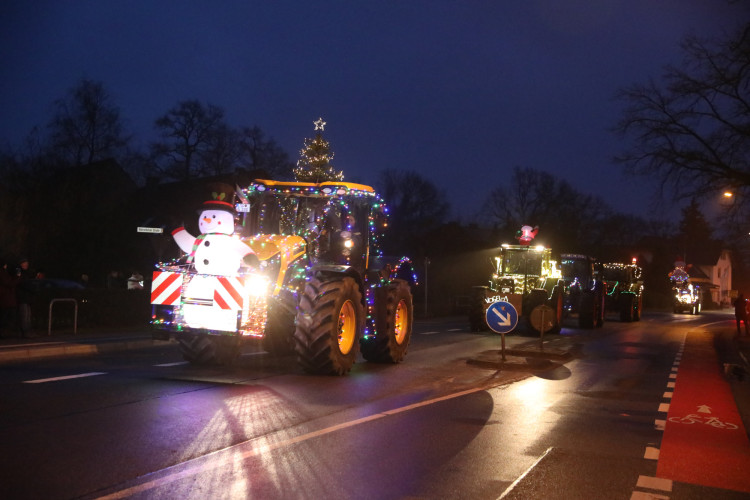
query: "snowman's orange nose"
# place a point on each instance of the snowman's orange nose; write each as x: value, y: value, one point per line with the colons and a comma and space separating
x: 207, y: 220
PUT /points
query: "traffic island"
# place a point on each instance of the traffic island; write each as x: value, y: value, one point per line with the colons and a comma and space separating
x: 531, y: 359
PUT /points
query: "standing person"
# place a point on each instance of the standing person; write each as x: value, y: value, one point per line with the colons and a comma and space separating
x: 740, y: 313
x: 135, y: 282
x: 24, y: 293
x: 8, y: 303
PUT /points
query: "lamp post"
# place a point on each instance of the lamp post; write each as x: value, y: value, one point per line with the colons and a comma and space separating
x: 426, y: 274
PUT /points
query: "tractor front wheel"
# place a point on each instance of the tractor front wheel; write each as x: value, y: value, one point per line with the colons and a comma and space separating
x: 330, y: 320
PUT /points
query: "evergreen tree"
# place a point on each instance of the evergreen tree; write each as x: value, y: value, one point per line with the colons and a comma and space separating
x: 315, y: 162
x: 694, y: 226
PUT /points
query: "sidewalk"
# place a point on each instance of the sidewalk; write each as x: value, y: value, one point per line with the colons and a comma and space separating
x: 65, y: 343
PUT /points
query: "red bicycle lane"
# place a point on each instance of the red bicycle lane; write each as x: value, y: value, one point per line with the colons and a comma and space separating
x: 704, y: 441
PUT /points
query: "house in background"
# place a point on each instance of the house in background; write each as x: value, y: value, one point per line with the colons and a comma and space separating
x: 711, y: 268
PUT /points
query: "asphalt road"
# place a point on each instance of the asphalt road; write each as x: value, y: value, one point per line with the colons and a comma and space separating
x: 581, y: 421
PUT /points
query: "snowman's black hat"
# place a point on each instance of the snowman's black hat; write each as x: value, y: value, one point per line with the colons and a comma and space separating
x: 220, y: 197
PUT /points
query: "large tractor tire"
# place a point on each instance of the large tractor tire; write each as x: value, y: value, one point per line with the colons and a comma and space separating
x: 330, y: 319
x: 477, y: 314
x: 587, y: 311
x: 556, y: 303
x: 395, y: 315
x: 209, y: 349
x: 599, y: 303
x: 627, y: 307
x: 638, y: 308
x: 536, y: 297
x: 539, y: 297
x: 278, y: 339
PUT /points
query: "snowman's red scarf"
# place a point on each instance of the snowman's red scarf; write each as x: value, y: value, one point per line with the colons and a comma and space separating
x: 198, y: 240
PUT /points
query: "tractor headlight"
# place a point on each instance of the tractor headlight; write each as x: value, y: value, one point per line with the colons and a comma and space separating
x: 256, y: 285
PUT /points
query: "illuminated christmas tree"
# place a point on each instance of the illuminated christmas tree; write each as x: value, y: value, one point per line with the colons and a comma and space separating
x: 315, y: 163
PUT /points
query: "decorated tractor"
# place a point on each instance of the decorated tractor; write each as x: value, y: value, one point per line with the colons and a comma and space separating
x: 526, y: 277
x: 293, y: 265
x: 583, y: 289
x: 623, y: 285
x: 686, y: 294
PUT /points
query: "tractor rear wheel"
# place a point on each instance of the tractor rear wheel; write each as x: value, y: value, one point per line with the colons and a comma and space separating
x: 394, y: 330
x: 209, y: 349
x: 587, y: 311
x: 627, y: 307
x: 330, y: 319
x: 638, y: 308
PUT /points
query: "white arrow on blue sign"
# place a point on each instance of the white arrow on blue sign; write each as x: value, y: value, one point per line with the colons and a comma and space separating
x: 502, y: 317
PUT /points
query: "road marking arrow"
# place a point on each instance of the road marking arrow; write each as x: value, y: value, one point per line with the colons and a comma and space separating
x: 704, y: 409
x: 504, y: 320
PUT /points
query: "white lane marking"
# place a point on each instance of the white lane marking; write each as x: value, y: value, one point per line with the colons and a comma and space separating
x: 667, y: 395
x: 428, y: 333
x: 664, y: 408
x: 651, y: 453
x: 520, y: 478
x: 174, y: 364
x: 654, y: 483
x: 670, y: 385
x: 260, y: 446
x: 456, y: 330
x: 642, y: 495
x: 659, y: 424
x: 67, y: 377
x: 672, y: 375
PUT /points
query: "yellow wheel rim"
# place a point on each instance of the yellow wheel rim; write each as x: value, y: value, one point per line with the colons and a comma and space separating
x: 401, y: 321
x: 347, y: 327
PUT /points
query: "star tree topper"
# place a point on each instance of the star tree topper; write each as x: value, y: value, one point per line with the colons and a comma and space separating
x: 319, y: 124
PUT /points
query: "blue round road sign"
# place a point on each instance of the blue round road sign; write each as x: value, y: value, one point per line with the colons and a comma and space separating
x: 502, y: 317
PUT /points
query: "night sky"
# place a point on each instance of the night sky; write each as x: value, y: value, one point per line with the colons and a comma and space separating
x: 459, y: 91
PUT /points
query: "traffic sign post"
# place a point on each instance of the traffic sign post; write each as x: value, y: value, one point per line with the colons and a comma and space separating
x: 502, y: 318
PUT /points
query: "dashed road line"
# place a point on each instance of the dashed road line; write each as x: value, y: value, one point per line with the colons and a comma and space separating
x: 654, y: 483
x: 66, y: 377
x: 641, y: 495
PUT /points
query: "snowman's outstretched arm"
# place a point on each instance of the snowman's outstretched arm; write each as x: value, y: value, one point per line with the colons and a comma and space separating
x: 183, y: 239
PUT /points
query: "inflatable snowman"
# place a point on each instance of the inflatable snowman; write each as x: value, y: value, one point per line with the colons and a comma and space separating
x: 215, y: 253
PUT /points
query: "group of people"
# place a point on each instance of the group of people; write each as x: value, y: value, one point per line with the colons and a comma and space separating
x: 15, y: 299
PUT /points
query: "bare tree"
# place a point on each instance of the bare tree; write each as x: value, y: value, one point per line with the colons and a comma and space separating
x: 223, y: 151
x: 187, y: 131
x: 568, y: 219
x: 691, y: 130
x: 265, y: 155
x: 86, y: 126
x: 416, y: 207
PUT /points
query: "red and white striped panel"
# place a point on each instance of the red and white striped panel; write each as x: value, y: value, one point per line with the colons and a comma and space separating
x: 166, y: 288
x: 229, y: 292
